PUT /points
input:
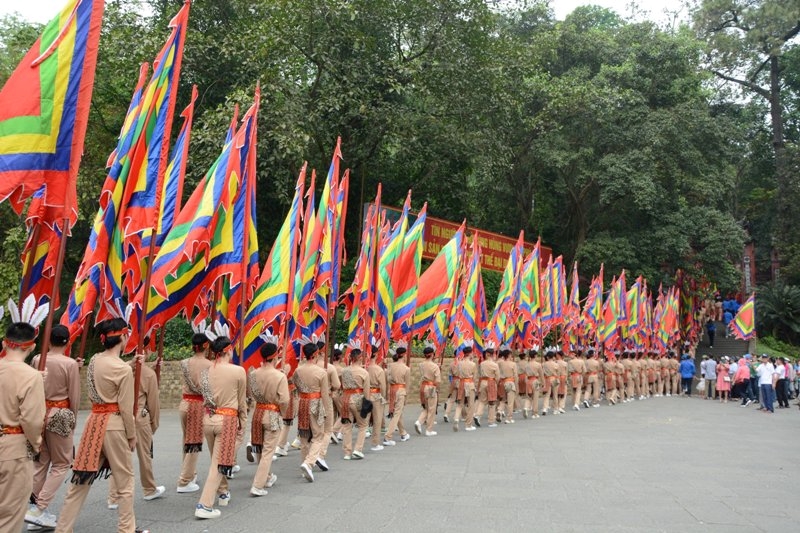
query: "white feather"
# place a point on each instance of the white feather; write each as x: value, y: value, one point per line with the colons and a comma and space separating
x: 28, y: 307
x: 268, y: 337
x: 355, y: 344
x: 39, y: 315
x: 429, y: 344
x: 128, y: 313
x: 402, y: 343
x: 13, y: 311
x: 2, y: 312
x: 199, y: 327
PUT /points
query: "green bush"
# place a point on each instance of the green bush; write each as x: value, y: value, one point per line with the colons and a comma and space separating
x: 778, y: 312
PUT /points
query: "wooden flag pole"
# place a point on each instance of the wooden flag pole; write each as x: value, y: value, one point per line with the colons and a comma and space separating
x: 48, y: 328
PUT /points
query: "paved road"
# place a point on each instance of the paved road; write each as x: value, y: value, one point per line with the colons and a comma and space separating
x: 664, y: 464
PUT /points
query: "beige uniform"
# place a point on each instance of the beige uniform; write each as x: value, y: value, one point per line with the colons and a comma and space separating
x: 62, y: 391
x: 399, y: 376
x: 468, y: 378
x: 377, y: 393
x: 675, y: 379
x: 270, y: 389
x: 593, y: 377
x: 314, y: 393
x: 430, y: 378
x: 192, y: 396
x: 355, y: 382
x: 562, y: 383
x: 610, y: 373
x: 490, y: 376
x: 226, y: 385
x: 535, y: 379
x: 619, y: 369
x: 147, y: 420
x: 576, y: 369
x: 508, y: 384
x: 22, y: 412
x: 665, y: 378
x: 628, y: 365
x: 636, y: 376
x: 113, y: 383
x: 453, y: 392
x: 331, y: 407
x: 337, y: 397
x: 550, y: 372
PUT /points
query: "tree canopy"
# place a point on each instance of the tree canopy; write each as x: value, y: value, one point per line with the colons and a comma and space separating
x: 612, y: 139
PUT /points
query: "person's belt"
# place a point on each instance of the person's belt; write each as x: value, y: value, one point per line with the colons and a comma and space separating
x: 486, y: 379
x: 398, y: 386
x: 225, y: 411
x: 10, y: 430
x: 353, y: 391
x: 101, y: 408
x: 428, y: 384
x: 310, y: 395
x: 268, y: 407
x: 468, y: 380
x: 57, y: 404
x: 574, y: 373
x: 375, y: 390
x: 193, y: 397
x: 504, y: 380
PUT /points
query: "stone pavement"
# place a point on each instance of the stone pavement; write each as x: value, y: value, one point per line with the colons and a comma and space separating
x: 664, y: 464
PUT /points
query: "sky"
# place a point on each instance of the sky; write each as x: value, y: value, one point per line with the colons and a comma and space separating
x: 44, y: 10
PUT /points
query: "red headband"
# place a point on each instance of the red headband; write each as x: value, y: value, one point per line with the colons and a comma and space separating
x: 11, y: 345
x: 118, y: 333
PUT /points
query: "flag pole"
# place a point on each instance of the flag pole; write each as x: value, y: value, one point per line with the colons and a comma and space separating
x: 250, y: 188
x: 84, y: 335
x: 48, y: 327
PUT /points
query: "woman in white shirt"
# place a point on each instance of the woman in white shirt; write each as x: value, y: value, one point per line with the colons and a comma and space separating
x: 781, y: 382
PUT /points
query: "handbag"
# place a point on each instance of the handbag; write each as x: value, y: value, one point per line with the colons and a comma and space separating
x: 366, y: 408
x: 701, y: 385
x: 726, y: 378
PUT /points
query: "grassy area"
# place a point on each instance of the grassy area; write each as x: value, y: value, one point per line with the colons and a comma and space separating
x: 775, y: 348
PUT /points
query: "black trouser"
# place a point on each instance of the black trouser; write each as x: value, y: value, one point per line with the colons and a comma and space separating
x: 744, y: 389
x: 711, y: 335
x: 687, y: 385
x: 782, y: 392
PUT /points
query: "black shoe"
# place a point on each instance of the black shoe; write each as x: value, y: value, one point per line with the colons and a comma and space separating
x: 477, y: 422
x: 446, y: 419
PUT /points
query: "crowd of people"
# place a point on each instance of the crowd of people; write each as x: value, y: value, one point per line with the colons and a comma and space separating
x: 343, y: 401
x: 770, y: 380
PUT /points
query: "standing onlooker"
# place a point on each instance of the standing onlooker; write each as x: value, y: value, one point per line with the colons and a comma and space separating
x: 711, y: 329
x: 765, y: 372
x: 781, y: 383
x: 711, y: 376
x: 724, y: 380
x: 733, y: 367
x: 687, y: 370
x: 741, y: 380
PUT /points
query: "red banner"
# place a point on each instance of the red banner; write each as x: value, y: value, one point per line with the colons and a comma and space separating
x: 494, y: 247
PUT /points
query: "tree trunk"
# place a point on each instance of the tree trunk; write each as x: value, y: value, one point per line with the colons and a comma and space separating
x: 783, y: 220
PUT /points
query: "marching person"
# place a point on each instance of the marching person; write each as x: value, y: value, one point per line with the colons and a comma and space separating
x: 465, y: 398
x: 62, y: 389
x: 508, y: 380
x: 487, y: 393
x: 109, y: 435
x: 224, y: 388
x: 562, y: 381
x: 270, y: 389
x: 355, y: 381
x: 523, y: 395
x: 593, y: 371
x: 535, y: 379
x: 576, y: 369
x: 452, y: 375
x: 22, y: 415
x: 550, y: 373
x: 191, y: 409
x: 331, y: 407
x: 147, y: 419
x: 377, y: 394
x: 398, y: 376
x: 610, y: 373
x: 430, y: 378
x: 338, y: 366
x: 314, y: 394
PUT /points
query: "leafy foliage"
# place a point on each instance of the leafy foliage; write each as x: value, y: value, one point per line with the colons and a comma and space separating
x: 778, y: 311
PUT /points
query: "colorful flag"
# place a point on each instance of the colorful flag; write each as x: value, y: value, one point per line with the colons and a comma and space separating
x: 744, y: 323
x: 529, y: 315
x: 435, y: 282
x: 499, y: 329
x: 470, y: 314
x: 405, y: 278
x: 44, y: 108
x: 388, y: 259
x: 270, y: 305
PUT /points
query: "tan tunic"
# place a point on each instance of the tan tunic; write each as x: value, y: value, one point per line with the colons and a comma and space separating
x: 21, y: 405
x: 113, y: 379
x: 228, y: 385
x: 148, y: 395
x: 377, y: 380
x: 63, y: 381
x: 576, y: 369
x: 196, y: 365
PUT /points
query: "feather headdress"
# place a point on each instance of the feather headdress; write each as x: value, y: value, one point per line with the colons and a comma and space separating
x: 28, y: 312
x: 217, y: 330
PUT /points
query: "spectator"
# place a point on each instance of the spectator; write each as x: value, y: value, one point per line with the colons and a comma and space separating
x: 711, y: 329
x: 717, y: 306
x: 766, y: 372
x: 687, y: 370
x: 781, y: 382
x: 724, y: 379
x: 741, y: 380
x: 711, y: 376
x: 733, y: 367
x: 754, y: 387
